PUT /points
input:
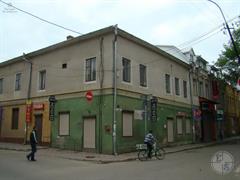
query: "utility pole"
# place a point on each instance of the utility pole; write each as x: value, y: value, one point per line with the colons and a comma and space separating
x: 228, y: 29
x: 28, y: 94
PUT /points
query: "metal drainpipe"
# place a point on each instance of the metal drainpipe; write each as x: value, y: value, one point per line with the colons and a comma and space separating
x: 114, y: 91
x: 29, y: 91
x: 191, y: 102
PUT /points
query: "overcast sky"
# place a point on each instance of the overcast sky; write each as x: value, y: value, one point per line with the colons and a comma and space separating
x: 160, y: 22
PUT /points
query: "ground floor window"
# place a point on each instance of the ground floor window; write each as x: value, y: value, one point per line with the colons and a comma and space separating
x: 188, y: 126
x: 64, y: 124
x: 179, y: 125
x: 127, y: 123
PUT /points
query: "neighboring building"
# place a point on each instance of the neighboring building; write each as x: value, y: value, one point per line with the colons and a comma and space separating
x: 146, y: 78
x: 232, y: 106
x: 204, y: 112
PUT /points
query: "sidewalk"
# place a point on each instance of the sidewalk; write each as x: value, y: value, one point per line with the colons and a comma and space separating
x: 102, y: 158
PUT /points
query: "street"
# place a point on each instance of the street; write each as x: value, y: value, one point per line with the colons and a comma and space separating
x: 192, y: 164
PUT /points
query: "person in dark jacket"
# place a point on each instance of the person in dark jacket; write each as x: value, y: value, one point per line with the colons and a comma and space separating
x: 149, y: 140
x: 33, y: 142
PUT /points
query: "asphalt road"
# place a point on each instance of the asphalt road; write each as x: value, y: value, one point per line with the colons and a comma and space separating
x: 187, y: 165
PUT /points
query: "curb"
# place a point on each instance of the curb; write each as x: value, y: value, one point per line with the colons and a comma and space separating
x: 126, y: 159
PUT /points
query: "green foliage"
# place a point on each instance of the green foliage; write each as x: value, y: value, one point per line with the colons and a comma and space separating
x: 228, y: 60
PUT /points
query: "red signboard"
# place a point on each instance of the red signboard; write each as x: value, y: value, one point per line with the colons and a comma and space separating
x: 89, y: 96
x: 38, y: 106
x: 28, y: 112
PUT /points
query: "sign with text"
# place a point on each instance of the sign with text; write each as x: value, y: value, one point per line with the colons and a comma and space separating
x: 52, y: 101
x: 154, y: 102
x: 28, y: 111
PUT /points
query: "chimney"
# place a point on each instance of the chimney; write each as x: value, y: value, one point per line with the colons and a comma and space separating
x: 69, y: 37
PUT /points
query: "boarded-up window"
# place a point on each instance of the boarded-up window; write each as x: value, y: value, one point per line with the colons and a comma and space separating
x: 64, y: 124
x: 188, y: 126
x: 179, y: 125
x: 15, y: 118
x: 127, y: 123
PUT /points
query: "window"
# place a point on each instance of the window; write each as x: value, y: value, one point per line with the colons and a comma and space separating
x: 127, y: 123
x: 177, y: 89
x: 90, y: 73
x: 15, y: 118
x: 167, y: 83
x: 64, y: 65
x: 185, y: 89
x: 42, y: 80
x: 179, y: 125
x: 126, y: 70
x: 1, y: 86
x: 195, y: 91
x: 18, y: 82
x: 201, y: 88
x: 143, y: 75
x: 64, y: 124
x: 207, y: 90
x: 188, y: 126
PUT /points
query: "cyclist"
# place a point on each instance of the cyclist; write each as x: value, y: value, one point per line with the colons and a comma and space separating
x: 149, y: 140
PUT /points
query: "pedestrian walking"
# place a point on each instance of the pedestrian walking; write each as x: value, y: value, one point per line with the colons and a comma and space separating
x: 33, y: 142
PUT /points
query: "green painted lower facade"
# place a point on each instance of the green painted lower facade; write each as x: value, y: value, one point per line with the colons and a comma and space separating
x: 101, y: 109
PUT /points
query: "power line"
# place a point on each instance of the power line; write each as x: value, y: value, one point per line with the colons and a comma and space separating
x: 41, y: 19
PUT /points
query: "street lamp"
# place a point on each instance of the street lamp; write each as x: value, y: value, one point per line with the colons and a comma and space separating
x: 228, y: 29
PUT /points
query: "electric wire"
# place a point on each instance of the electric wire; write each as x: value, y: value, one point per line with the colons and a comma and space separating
x: 39, y: 18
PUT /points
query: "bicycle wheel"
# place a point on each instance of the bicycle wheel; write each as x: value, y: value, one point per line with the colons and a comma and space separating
x: 160, y: 153
x: 142, y: 155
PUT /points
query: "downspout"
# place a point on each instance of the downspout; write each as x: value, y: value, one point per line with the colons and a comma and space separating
x: 191, y: 103
x: 114, y: 131
x: 28, y: 92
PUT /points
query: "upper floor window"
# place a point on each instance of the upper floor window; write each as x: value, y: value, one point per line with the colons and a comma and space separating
x: 195, y: 90
x: 90, y: 73
x: 167, y: 83
x: 126, y: 70
x: 143, y: 75
x: 177, y: 89
x: 201, y: 88
x: 18, y: 82
x: 15, y: 118
x: 185, y: 89
x: 207, y: 90
x: 42, y: 80
x: 1, y: 85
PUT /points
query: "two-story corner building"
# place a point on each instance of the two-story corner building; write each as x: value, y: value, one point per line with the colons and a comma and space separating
x: 135, y: 85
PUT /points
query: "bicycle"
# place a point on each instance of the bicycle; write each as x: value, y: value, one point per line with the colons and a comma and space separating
x: 157, y: 152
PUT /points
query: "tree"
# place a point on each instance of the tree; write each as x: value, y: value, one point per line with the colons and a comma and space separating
x: 228, y: 60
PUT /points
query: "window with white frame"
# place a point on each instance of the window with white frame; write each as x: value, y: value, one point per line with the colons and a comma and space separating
x: 195, y: 90
x: 18, y: 82
x: 188, y: 126
x: 64, y: 124
x: 143, y: 75
x: 127, y: 123
x: 1, y: 85
x: 42, y: 80
x: 90, y: 69
x: 179, y: 125
x: 167, y: 83
x: 126, y: 63
x: 177, y: 88
x: 185, y: 89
